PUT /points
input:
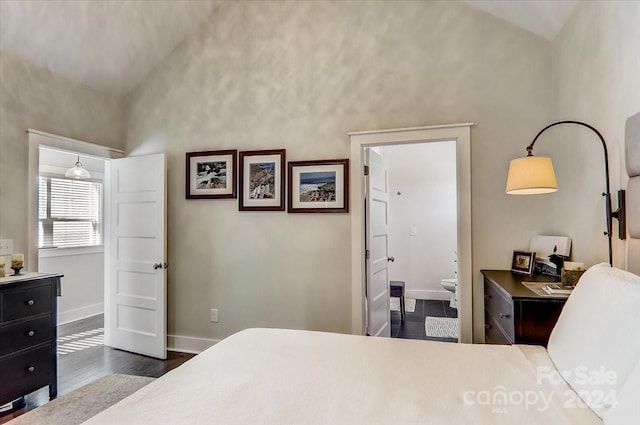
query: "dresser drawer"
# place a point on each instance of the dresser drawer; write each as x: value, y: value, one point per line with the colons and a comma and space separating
x: 493, y: 334
x: 22, y: 335
x: 500, y: 308
x: 24, y: 302
x: 25, y: 372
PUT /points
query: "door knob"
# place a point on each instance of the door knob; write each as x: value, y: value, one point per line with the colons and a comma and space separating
x: 157, y: 266
x: 391, y: 259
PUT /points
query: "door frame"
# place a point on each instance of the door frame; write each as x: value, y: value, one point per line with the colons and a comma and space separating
x: 36, y: 139
x: 461, y: 133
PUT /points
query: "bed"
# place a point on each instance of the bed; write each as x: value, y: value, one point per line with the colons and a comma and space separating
x: 590, y: 373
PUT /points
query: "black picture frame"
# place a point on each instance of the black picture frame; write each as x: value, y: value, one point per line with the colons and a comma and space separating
x: 211, y: 174
x: 269, y: 165
x: 523, y: 262
x: 329, y: 185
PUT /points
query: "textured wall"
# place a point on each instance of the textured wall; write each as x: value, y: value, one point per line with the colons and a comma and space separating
x: 300, y: 75
x: 425, y: 176
x: 596, y: 79
x: 33, y: 97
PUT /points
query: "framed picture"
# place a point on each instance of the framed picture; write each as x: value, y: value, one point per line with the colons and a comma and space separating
x: 319, y: 186
x: 262, y: 175
x: 211, y: 174
x: 523, y: 262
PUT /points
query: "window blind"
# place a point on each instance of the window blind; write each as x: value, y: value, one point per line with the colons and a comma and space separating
x: 70, y: 212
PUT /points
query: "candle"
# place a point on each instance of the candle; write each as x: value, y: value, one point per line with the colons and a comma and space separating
x: 17, y: 261
x: 572, y: 265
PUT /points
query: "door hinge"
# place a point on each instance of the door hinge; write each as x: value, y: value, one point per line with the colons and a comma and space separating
x: 366, y: 254
x: 366, y: 170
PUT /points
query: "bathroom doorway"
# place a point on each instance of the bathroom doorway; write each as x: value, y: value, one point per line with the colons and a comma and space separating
x: 360, y: 141
x: 422, y: 239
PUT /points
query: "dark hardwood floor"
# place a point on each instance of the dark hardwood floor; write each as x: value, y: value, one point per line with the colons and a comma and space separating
x: 82, y: 358
x: 413, y: 326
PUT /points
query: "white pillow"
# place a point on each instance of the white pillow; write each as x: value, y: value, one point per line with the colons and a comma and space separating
x: 596, y: 342
x: 627, y: 409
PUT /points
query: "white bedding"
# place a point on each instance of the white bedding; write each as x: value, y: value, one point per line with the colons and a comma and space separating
x: 273, y: 376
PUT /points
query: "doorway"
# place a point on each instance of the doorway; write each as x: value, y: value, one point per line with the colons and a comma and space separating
x: 461, y: 134
x: 70, y: 232
x: 135, y: 264
x: 422, y: 239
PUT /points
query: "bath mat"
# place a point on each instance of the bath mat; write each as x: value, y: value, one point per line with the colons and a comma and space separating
x: 409, y: 304
x: 441, y: 327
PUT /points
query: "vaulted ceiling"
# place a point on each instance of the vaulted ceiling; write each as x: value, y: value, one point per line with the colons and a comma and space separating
x: 109, y: 45
x: 113, y: 45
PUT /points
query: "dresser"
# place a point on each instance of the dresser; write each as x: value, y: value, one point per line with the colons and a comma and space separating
x: 514, y: 314
x: 28, y: 334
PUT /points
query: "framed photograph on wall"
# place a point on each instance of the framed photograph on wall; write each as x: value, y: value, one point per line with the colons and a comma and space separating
x: 523, y: 262
x: 318, y: 186
x: 211, y: 174
x: 262, y: 175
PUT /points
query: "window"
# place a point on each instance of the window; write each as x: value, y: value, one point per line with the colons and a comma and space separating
x: 70, y: 213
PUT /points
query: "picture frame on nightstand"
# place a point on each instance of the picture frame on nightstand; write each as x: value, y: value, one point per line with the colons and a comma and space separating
x: 523, y: 262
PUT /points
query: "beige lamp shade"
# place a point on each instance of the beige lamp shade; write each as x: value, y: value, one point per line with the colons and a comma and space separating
x: 531, y: 175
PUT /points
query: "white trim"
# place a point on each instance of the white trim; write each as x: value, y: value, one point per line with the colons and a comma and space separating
x: 189, y: 344
x: 35, y: 140
x: 461, y: 133
x: 409, y: 129
x: 67, y: 144
x: 428, y: 294
x: 71, y: 251
x: 80, y: 313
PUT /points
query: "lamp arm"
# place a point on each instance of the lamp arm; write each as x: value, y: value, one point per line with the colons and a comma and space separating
x: 604, y: 147
x: 607, y: 194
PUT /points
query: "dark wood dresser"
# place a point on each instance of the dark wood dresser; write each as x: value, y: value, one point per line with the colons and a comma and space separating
x: 28, y: 334
x: 514, y: 314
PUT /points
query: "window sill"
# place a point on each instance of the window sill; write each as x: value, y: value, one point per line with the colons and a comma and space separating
x: 66, y: 252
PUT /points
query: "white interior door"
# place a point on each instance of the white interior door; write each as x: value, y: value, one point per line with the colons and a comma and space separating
x: 135, y: 266
x: 377, y: 246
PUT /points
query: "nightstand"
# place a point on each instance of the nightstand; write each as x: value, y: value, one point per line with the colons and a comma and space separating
x: 513, y: 314
x: 28, y: 334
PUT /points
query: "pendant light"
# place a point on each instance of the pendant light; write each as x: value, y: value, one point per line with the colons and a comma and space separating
x: 77, y: 172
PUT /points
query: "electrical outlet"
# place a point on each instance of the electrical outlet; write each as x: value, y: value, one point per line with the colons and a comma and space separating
x: 413, y: 231
x: 6, y: 247
x: 214, y: 315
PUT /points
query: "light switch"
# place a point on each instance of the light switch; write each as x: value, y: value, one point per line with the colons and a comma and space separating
x: 413, y: 231
x: 6, y: 247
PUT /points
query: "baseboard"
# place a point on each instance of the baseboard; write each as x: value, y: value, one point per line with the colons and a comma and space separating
x: 189, y: 344
x: 428, y: 294
x: 80, y: 313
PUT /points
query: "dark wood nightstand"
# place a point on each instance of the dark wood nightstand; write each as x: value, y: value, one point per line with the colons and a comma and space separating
x: 28, y: 335
x: 514, y: 314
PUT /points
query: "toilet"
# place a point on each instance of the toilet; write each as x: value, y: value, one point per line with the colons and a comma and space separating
x: 451, y: 285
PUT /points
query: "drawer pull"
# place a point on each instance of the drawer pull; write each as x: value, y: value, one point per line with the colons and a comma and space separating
x: 31, y: 333
x: 504, y: 316
x: 31, y: 369
x: 30, y: 302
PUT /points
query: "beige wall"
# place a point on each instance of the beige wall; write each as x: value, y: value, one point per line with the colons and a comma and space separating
x: 33, y: 97
x: 596, y: 79
x: 300, y: 75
